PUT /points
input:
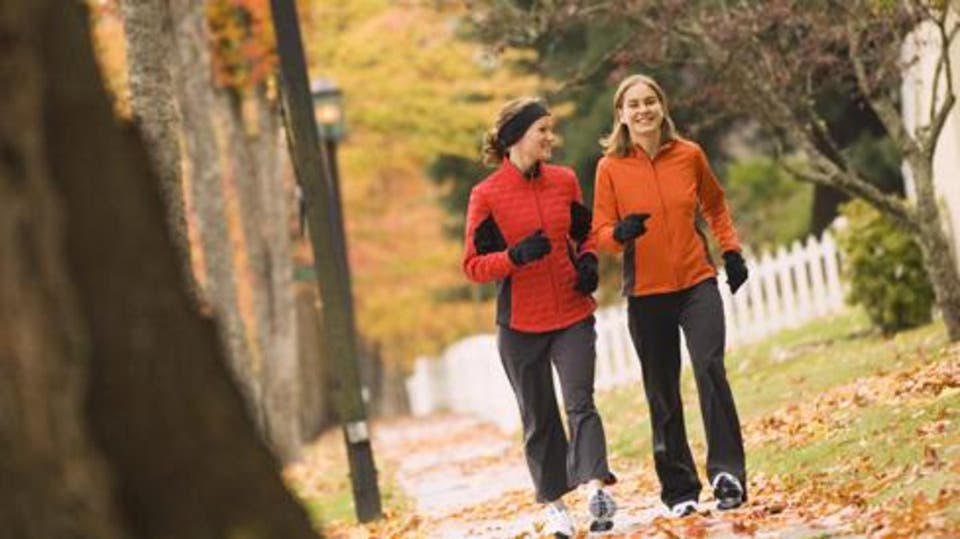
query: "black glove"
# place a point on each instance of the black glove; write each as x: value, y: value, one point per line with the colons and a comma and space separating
x: 580, y: 217
x: 487, y: 237
x: 533, y: 247
x: 587, y: 276
x: 630, y: 227
x: 736, y: 270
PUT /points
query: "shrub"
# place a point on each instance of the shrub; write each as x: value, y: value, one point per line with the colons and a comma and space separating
x: 884, y: 269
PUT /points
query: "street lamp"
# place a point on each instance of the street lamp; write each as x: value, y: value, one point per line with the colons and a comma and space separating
x: 328, y: 109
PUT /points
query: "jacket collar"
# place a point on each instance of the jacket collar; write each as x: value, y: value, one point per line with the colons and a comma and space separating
x: 511, y: 170
x: 665, y: 146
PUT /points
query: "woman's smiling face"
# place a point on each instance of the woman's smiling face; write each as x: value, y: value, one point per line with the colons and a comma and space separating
x: 537, y: 143
x: 641, y: 111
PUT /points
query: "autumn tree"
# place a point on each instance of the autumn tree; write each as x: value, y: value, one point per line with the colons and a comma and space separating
x: 119, y: 416
x: 199, y: 77
x: 774, y: 61
x: 413, y: 89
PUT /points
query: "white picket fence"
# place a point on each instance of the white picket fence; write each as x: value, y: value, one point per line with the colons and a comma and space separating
x: 786, y: 288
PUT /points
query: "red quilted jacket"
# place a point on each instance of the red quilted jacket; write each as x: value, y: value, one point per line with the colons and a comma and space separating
x: 538, y: 296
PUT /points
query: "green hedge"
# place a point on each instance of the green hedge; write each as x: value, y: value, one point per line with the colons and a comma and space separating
x: 884, y: 269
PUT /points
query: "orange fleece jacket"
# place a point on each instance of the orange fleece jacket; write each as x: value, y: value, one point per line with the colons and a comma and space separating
x: 672, y: 187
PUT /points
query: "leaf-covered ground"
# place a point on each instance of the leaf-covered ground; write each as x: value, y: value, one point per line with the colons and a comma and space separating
x: 847, y: 433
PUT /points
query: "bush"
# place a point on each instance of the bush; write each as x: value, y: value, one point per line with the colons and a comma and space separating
x: 884, y: 269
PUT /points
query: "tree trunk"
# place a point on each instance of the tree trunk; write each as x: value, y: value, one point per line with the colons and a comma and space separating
x: 826, y: 200
x: 204, y: 143
x: 54, y: 483
x: 936, y: 247
x: 253, y: 145
x: 316, y: 403
x: 151, y: 63
x: 101, y: 304
x: 282, y: 400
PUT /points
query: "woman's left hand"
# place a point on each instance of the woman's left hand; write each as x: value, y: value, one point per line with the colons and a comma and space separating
x: 587, y: 276
x: 736, y: 270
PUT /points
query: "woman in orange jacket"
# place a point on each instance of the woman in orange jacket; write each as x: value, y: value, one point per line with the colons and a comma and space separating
x: 527, y: 229
x: 650, y: 187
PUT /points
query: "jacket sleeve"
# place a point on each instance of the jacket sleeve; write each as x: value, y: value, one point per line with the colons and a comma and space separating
x: 589, y: 245
x: 605, y: 215
x: 481, y: 268
x: 714, y: 205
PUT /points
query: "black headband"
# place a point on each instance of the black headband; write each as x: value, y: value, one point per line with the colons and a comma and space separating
x: 513, y: 129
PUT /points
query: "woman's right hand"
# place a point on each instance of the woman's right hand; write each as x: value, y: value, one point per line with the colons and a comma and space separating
x: 533, y: 247
x: 630, y: 227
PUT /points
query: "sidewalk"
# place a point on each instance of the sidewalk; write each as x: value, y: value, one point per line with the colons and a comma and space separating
x: 467, y: 479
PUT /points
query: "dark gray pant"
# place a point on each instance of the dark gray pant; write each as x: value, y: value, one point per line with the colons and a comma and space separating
x: 655, y: 323
x: 556, y: 465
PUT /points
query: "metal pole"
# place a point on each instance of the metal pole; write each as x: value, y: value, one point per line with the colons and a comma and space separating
x: 333, y: 170
x: 320, y: 192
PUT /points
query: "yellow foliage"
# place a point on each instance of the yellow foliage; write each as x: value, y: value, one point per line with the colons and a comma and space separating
x: 242, y: 41
x: 412, y: 90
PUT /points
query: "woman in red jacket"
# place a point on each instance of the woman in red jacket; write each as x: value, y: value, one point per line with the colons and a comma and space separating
x: 650, y: 187
x: 527, y: 229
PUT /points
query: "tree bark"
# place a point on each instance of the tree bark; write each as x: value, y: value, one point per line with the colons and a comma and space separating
x: 317, y: 410
x: 282, y: 398
x: 99, y: 338
x: 54, y: 482
x: 826, y: 200
x: 253, y: 146
x: 151, y: 63
x: 935, y: 245
x: 205, y: 147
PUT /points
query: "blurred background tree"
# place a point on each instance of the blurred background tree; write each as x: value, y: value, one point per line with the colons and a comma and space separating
x: 414, y: 90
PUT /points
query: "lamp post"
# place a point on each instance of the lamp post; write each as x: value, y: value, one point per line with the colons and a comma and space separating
x: 316, y: 170
x: 331, y: 129
x: 327, y: 101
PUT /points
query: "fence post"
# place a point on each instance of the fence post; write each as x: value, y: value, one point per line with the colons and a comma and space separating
x: 768, y: 277
x: 799, y: 264
x: 815, y: 252
x: 785, y: 278
x: 834, y: 285
x: 754, y: 290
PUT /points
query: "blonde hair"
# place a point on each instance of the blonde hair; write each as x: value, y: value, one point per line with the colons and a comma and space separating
x: 618, y: 142
x: 492, y: 153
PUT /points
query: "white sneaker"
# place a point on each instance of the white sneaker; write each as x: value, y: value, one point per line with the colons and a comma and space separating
x: 683, y: 509
x: 601, y: 505
x: 558, y: 522
x: 728, y: 491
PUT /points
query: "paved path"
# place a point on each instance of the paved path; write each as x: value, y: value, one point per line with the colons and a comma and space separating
x: 467, y: 479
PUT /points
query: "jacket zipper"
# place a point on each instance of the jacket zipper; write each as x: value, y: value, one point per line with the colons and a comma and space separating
x: 553, y: 281
x: 666, y: 220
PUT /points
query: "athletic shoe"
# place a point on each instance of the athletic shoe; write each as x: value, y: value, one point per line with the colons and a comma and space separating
x: 601, y: 507
x: 683, y: 509
x: 558, y: 522
x: 728, y: 491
